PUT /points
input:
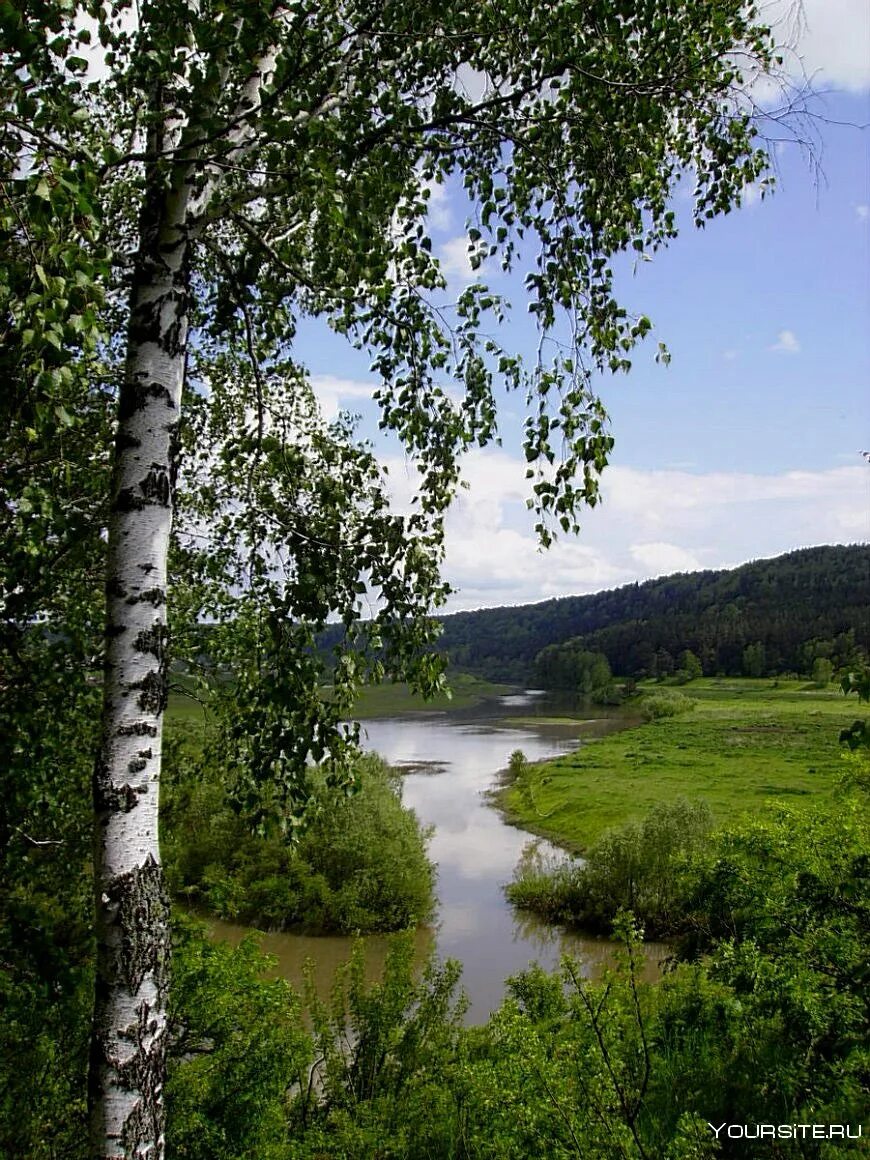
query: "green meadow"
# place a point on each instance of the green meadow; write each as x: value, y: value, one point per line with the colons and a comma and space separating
x: 392, y: 700
x: 743, y: 742
x: 387, y: 700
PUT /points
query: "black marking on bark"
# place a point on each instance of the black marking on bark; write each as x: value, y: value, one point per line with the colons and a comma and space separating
x: 147, y: 568
x: 139, y: 905
x: 124, y: 441
x: 127, y: 501
x: 136, y: 766
x: 156, y: 487
x: 153, y: 691
x: 142, y: 902
x: 153, y: 640
x: 154, y: 596
x: 115, y: 630
x: 175, y: 335
x: 135, y: 396
x: 112, y: 799
x: 174, y: 432
x: 115, y: 589
x: 143, y: 1073
x: 138, y: 729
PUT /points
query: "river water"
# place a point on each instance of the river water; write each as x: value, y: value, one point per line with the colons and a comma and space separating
x: 449, y: 761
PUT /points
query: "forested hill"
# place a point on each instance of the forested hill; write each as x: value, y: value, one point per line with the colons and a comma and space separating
x: 768, y: 616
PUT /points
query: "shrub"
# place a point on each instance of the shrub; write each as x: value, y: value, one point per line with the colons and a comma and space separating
x: 360, y: 864
x: 662, y: 704
x: 638, y: 867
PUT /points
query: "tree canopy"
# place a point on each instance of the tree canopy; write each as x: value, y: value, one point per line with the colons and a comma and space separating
x: 182, y: 186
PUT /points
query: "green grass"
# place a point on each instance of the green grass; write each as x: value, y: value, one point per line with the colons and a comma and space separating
x: 393, y: 700
x: 744, y: 742
x: 386, y: 700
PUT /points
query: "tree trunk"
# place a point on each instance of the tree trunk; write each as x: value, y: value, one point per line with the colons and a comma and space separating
x: 129, y: 1031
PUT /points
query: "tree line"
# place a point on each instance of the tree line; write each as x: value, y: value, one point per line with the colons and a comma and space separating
x: 768, y: 616
x: 184, y: 188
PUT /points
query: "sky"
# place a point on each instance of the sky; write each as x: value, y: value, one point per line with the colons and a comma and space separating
x: 749, y: 444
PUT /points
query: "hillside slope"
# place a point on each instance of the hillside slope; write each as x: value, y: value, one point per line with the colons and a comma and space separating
x: 808, y: 603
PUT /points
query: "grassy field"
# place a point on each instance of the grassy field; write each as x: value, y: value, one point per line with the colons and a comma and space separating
x: 745, y: 741
x: 377, y: 701
x: 394, y: 700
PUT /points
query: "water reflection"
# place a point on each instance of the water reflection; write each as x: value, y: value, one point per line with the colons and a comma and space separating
x: 326, y: 952
x: 475, y: 851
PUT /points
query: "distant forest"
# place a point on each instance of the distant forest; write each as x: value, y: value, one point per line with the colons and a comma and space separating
x: 766, y: 617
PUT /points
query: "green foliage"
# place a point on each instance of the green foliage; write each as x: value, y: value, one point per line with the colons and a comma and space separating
x: 656, y: 706
x: 378, y: 1088
x: 688, y: 667
x: 823, y: 670
x: 568, y: 666
x: 771, y: 1016
x: 857, y: 736
x: 237, y: 1048
x: 781, y: 904
x: 858, y: 683
x: 755, y: 659
x: 359, y: 863
x: 772, y: 1020
x: 638, y: 868
x: 285, y: 155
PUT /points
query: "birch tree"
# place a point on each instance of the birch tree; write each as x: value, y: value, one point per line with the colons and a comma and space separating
x: 204, y: 179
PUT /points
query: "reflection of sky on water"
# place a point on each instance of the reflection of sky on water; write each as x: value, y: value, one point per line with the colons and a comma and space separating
x: 475, y: 851
x: 476, y: 855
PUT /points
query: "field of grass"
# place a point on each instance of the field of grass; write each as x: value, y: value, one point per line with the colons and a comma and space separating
x: 376, y: 701
x: 745, y: 741
x: 395, y: 700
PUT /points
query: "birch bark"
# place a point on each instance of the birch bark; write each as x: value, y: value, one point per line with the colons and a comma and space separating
x: 128, y: 1044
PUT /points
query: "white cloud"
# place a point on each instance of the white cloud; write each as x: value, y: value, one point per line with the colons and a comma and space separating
x: 439, y: 205
x: 752, y: 193
x: 651, y: 523
x: 659, y: 558
x: 863, y: 212
x: 454, y: 258
x: 786, y: 343
x: 832, y: 43
x: 337, y: 394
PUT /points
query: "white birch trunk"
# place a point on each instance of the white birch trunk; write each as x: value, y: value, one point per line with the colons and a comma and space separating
x: 128, y: 1040
x: 128, y: 1043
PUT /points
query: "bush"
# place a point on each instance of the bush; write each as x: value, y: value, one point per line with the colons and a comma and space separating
x: 360, y: 864
x: 638, y: 867
x: 661, y: 704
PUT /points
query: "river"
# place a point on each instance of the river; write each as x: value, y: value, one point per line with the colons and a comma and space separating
x: 449, y: 762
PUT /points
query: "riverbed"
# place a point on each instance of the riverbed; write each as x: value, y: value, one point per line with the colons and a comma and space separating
x: 449, y: 762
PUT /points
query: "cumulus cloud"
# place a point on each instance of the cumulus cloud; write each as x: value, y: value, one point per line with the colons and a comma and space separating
x: 336, y: 394
x: 454, y: 258
x: 439, y: 205
x: 834, y: 44
x: 651, y: 523
x: 786, y: 343
x: 659, y: 558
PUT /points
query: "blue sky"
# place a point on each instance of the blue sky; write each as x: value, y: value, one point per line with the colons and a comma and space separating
x: 749, y: 444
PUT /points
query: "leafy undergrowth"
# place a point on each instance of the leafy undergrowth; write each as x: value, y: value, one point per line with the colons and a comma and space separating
x: 762, y: 1021
x: 639, y: 867
x: 360, y: 864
